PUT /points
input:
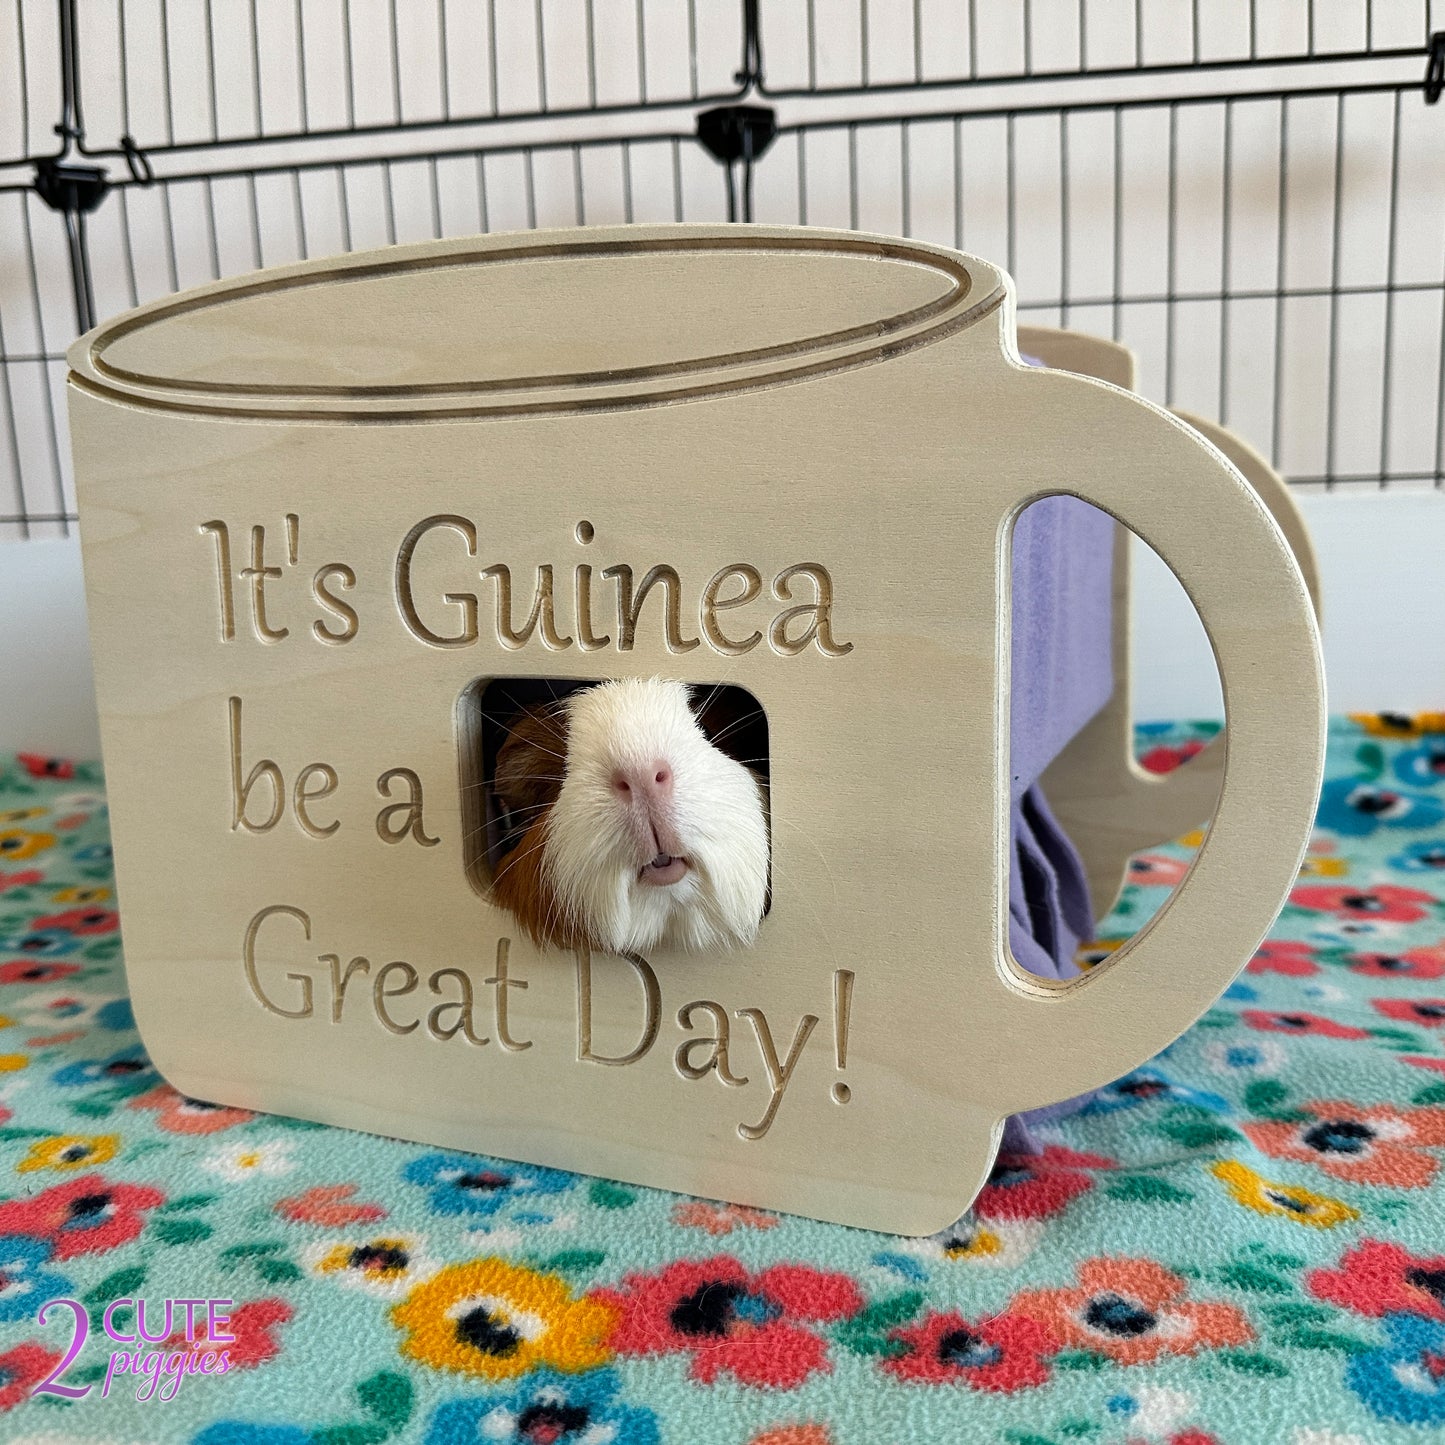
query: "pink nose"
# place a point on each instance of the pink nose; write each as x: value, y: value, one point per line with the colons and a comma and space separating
x: 650, y: 785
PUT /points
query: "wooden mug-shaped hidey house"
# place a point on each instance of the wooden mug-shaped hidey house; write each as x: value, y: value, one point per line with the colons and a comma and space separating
x: 325, y: 507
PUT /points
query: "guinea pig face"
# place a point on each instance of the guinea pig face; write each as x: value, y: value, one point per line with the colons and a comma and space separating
x: 656, y: 838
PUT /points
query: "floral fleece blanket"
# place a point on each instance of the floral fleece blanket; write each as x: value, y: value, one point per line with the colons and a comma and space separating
x: 1241, y: 1243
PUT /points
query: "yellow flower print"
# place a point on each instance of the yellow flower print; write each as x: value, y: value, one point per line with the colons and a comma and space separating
x: 69, y: 1151
x: 20, y: 815
x: 999, y: 1244
x: 386, y: 1265
x: 1091, y: 955
x: 978, y: 1242
x: 1323, y: 868
x: 80, y: 895
x: 16, y: 843
x: 1264, y: 1196
x: 10, y: 1063
x: 1399, y: 725
x: 499, y: 1320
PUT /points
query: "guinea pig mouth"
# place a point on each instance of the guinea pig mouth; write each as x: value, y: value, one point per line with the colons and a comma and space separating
x: 664, y: 869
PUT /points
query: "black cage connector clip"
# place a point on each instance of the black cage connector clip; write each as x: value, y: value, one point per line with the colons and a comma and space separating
x: 77, y: 190
x: 734, y: 134
x: 1435, y: 68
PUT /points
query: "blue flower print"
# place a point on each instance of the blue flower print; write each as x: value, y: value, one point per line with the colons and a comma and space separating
x: 92, y: 853
x: 1355, y: 932
x: 1427, y: 857
x: 41, y: 943
x: 235, y: 1432
x: 1406, y: 1380
x: 1423, y: 764
x: 24, y: 1286
x: 130, y: 1067
x: 116, y: 1015
x: 1246, y: 1056
x: 1146, y: 1085
x: 1355, y: 808
x: 468, y: 1184
x: 565, y: 1409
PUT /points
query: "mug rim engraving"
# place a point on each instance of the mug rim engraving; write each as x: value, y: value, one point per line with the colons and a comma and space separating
x: 968, y: 297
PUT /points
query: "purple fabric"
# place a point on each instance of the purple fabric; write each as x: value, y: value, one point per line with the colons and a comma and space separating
x: 1049, y: 913
x: 1049, y: 916
x: 1062, y: 674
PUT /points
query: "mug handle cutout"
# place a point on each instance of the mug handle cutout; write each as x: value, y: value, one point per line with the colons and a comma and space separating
x: 1231, y: 556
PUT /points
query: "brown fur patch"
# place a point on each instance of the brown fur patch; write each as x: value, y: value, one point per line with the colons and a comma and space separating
x: 521, y: 888
x: 527, y: 781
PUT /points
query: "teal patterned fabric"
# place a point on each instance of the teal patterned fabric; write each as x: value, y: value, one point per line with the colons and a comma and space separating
x: 1241, y: 1243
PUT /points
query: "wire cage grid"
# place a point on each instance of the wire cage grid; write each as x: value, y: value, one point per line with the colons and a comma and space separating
x: 1250, y: 195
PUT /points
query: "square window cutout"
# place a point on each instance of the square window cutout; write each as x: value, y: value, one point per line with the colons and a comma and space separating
x: 489, y: 709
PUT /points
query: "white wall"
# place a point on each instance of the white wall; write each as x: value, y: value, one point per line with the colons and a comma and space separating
x: 1382, y: 568
x: 47, y: 702
x: 1382, y: 560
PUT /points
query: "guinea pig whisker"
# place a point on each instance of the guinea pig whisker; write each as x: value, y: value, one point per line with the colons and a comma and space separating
x: 700, y: 707
x: 509, y: 726
x: 516, y: 856
x: 525, y: 778
x: 733, y: 726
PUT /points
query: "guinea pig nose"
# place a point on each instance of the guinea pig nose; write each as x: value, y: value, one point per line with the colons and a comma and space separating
x: 651, y: 782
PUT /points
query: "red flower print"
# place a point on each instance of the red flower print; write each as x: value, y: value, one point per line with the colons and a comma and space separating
x: 1297, y: 960
x: 1032, y: 1186
x: 720, y: 1218
x: 1165, y: 759
x: 82, y: 1216
x: 42, y: 767
x: 1296, y: 1022
x: 21, y: 1369
x: 32, y: 970
x: 176, y: 1114
x: 22, y: 879
x: 750, y: 1326
x: 1376, y: 1278
x: 807, y: 1434
x: 327, y: 1204
x: 1378, y: 1145
x: 1385, y: 902
x: 1157, y: 870
x: 1418, y: 963
x: 251, y: 1327
x: 1004, y: 1353
x: 1132, y: 1310
x: 81, y: 920
x: 1419, y: 1061
x: 1428, y: 1012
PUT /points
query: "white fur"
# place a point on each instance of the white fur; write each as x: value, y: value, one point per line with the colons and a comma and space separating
x: 591, y: 854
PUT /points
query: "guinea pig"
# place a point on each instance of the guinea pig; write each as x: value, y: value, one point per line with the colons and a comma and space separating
x: 639, y: 832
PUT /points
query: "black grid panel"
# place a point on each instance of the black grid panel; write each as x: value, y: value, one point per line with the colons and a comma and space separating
x: 1271, y: 242
x: 820, y: 47
x: 189, y: 75
x: 1277, y: 263
x: 37, y: 323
